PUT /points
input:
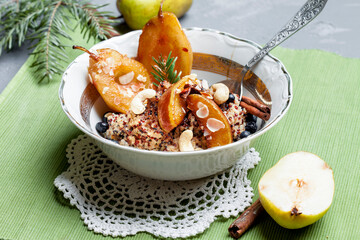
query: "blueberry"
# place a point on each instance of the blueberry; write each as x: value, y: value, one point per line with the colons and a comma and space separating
x: 104, y: 118
x: 250, y: 118
x: 251, y: 127
x: 244, y: 134
x: 231, y: 98
x: 101, y: 127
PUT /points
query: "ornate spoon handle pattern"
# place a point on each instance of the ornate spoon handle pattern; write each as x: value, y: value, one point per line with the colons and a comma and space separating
x: 306, y: 14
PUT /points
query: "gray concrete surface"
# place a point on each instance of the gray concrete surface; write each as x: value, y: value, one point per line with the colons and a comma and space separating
x: 336, y: 29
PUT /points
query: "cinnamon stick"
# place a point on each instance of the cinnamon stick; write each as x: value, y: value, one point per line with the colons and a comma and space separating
x: 256, y: 104
x: 255, y: 111
x: 246, y: 219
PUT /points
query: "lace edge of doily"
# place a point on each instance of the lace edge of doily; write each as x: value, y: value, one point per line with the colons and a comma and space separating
x: 63, y: 182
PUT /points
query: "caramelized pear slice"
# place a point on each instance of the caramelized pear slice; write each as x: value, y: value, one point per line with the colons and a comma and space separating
x: 116, y: 77
x: 172, y: 107
x: 217, y: 130
x: 161, y: 35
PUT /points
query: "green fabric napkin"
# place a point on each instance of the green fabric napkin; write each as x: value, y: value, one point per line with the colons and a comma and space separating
x: 323, y: 119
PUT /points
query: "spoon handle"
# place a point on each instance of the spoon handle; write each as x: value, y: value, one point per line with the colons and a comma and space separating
x: 306, y: 14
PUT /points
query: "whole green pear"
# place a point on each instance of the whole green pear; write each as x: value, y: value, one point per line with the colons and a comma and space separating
x: 138, y: 12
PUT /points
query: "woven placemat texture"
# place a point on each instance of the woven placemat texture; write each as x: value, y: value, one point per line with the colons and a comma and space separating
x: 324, y: 119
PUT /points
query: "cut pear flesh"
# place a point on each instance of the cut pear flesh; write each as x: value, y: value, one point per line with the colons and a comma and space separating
x: 298, y: 190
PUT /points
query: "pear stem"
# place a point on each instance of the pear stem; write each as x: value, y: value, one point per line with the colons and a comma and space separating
x: 160, y: 13
x: 92, y: 55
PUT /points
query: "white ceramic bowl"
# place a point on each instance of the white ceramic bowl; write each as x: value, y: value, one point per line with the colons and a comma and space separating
x: 84, y: 108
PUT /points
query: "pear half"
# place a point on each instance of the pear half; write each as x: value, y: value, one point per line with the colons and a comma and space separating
x: 298, y: 190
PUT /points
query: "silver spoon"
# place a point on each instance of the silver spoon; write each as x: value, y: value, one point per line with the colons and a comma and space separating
x: 306, y: 14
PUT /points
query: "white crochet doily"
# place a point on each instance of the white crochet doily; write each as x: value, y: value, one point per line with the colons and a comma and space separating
x: 116, y: 202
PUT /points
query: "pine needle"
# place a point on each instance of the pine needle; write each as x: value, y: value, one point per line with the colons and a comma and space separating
x: 45, y: 24
x: 165, y: 69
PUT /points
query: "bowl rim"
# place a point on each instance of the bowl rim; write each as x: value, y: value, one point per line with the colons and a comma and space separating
x: 201, y: 152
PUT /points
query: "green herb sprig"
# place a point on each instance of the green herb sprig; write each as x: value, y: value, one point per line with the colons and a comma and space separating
x: 165, y: 70
x: 46, y: 23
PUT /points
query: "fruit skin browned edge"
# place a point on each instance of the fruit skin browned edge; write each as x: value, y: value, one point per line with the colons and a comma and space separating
x: 161, y: 35
x: 171, y: 105
x: 224, y: 134
x: 168, y: 119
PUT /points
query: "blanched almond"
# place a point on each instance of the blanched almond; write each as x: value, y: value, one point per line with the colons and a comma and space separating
x: 214, y: 124
x: 203, y: 110
x: 110, y: 61
x: 135, y: 88
x: 105, y: 89
x: 141, y: 78
x: 192, y: 76
x: 108, y: 65
x: 206, y: 133
x: 205, y: 84
x: 117, y: 101
x: 126, y: 78
x: 200, y: 105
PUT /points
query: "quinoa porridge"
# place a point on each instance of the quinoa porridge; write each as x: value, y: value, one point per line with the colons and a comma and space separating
x: 143, y: 130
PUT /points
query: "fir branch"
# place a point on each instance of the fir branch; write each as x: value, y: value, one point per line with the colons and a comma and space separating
x: 92, y: 22
x: 49, y: 50
x: 47, y: 68
x: 5, y: 4
x: 165, y: 69
x: 45, y: 24
x: 16, y: 24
